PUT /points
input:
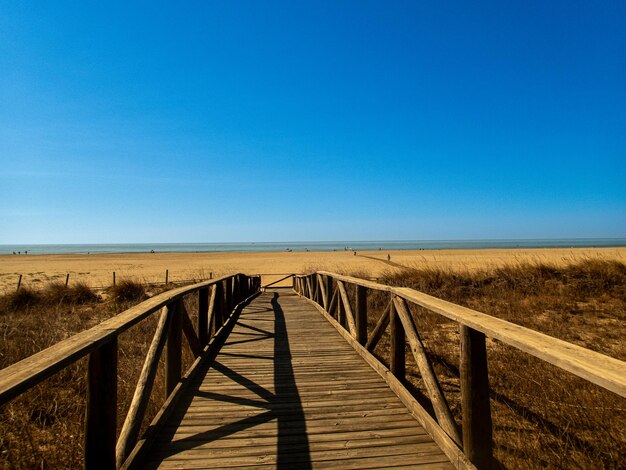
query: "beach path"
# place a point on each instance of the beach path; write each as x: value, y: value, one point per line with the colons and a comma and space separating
x: 287, y: 391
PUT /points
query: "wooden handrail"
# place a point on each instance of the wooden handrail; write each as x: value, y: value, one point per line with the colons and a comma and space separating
x: 21, y: 376
x: 102, y: 450
x: 602, y: 370
x: 476, y: 443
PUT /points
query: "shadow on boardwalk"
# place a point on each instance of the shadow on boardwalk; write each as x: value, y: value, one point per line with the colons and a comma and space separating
x: 284, y: 406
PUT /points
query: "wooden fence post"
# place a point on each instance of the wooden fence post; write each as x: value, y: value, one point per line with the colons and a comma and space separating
x: 167, y: 276
x: 113, y: 278
x: 476, y: 410
x: 19, y: 282
x: 361, y: 314
x: 229, y: 299
x: 173, y: 359
x: 397, y: 363
x: 218, y: 312
x: 101, y: 413
x: 203, y: 316
x: 328, y: 283
x: 313, y: 287
x: 67, y: 279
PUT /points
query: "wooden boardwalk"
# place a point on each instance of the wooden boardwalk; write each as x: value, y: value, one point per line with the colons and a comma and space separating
x: 294, y: 384
x: 287, y: 391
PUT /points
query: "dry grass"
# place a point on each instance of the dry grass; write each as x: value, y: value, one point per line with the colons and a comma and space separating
x: 543, y: 416
x: 43, y: 428
x: 127, y: 290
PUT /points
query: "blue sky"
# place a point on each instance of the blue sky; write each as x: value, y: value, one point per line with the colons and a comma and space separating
x: 282, y: 121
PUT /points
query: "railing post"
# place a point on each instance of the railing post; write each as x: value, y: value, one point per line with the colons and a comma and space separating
x: 229, y: 299
x: 173, y: 359
x: 328, y: 283
x: 316, y: 289
x: 218, y: 314
x: 101, y: 413
x: 203, y: 316
x: 236, y: 290
x: 361, y: 314
x: 397, y: 363
x: 476, y: 410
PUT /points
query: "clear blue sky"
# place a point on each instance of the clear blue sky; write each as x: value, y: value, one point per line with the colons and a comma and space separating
x: 280, y: 121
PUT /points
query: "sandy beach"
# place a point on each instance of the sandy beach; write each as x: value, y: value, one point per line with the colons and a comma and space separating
x: 97, y: 270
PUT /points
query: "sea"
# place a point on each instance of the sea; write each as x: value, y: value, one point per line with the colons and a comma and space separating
x: 384, y: 245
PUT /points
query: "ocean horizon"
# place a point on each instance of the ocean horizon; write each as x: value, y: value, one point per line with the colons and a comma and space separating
x: 382, y: 245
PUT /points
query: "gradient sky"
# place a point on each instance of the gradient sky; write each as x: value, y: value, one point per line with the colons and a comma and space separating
x: 281, y: 121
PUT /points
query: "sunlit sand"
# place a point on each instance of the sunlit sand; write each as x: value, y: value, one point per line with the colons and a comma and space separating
x: 97, y: 270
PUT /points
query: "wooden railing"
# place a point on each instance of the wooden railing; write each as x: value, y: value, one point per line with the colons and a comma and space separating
x: 218, y: 301
x: 474, y: 443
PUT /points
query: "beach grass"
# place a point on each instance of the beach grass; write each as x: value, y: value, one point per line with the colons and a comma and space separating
x: 543, y: 416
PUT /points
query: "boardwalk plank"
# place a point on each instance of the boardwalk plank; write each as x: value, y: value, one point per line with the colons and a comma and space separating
x: 286, y: 391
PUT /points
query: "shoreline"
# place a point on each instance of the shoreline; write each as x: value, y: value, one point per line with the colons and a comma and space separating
x: 96, y: 269
x: 309, y: 246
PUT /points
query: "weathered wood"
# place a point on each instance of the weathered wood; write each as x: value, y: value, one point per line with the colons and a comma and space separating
x: 167, y: 276
x: 168, y: 407
x: 19, y: 282
x: 173, y: 359
x: 236, y: 290
x: 339, y: 310
x: 228, y: 303
x: 328, y: 288
x: 334, y: 301
x: 220, y: 308
x: 361, y: 314
x: 450, y: 448
x: 101, y: 413
x: 379, y: 329
x: 26, y: 373
x: 602, y: 370
x: 347, y: 308
x: 190, y: 333
x: 313, y: 411
x: 203, y: 316
x: 358, y: 281
x: 309, y: 289
x: 67, y: 279
x: 322, y: 289
x: 113, y: 278
x: 213, y: 305
x: 477, y: 425
x: 141, y: 397
x: 397, y: 357
x: 437, y: 398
